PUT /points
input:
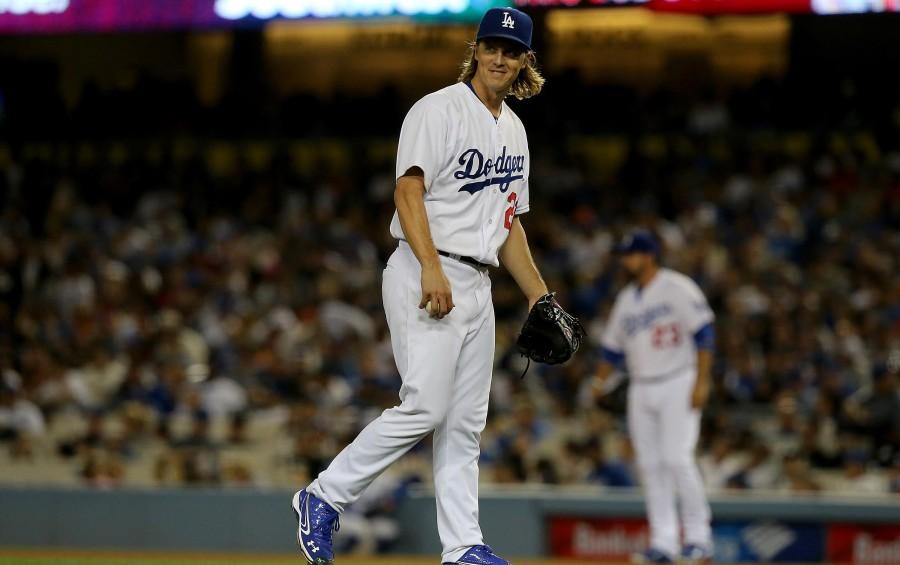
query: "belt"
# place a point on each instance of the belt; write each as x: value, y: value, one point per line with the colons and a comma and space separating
x: 464, y: 259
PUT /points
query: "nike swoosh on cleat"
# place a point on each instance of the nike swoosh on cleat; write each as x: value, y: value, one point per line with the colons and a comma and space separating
x: 304, y: 517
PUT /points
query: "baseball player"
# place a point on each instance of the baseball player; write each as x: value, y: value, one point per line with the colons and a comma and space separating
x: 462, y: 183
x: 661, y: 330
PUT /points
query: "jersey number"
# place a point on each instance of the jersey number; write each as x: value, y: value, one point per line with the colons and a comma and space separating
x: 510, y: 212
x: 666, y: 336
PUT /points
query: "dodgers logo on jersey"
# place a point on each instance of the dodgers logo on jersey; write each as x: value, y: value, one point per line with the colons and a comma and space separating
x: 508, y: 21
x: 644, y: 320
x: 474, y: 166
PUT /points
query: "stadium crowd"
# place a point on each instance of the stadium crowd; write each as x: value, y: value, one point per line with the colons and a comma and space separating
x: 182, y: 313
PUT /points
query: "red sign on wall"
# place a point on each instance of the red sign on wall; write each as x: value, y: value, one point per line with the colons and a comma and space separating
x: 596, y: 539
x: 864, y: 544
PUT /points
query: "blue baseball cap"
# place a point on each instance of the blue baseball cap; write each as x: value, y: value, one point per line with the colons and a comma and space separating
x: 638, y: 241
x: 508, y: 23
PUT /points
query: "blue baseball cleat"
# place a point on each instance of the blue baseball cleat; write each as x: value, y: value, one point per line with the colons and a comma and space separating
x: 479, y: 555
x: 317, y: 522
x: 696, y: 555
x: 651, y: 556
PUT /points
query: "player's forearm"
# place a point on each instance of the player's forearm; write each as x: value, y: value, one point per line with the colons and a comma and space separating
x: 516, y: 257
x: 704, y: 366
x: 410, y: 202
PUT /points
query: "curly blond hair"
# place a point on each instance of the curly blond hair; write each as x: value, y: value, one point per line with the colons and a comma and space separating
x: 529, y: 82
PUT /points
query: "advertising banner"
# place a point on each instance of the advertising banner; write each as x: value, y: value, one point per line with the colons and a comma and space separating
x: 611, y: 540
x: 596, y: 539
x: 769, y: 542
x: 864, y: 544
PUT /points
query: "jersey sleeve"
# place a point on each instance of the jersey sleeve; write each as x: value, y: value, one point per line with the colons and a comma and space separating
x: 423, y: 140
x: 693, y: 309
x: 523, y: 203
x: 613, y: 339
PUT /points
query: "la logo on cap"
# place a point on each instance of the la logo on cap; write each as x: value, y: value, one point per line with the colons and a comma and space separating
x: 508, y: 21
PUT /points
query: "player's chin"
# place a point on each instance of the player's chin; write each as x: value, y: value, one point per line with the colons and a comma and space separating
x: 503, y: 85
x: 500, y: 81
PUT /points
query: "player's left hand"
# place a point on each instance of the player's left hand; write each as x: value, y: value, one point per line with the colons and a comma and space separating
x: 699, y: 395
x: 550, y: 334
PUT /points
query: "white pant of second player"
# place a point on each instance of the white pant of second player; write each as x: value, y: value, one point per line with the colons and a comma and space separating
x: 664, y: 429
x: 446, y: 368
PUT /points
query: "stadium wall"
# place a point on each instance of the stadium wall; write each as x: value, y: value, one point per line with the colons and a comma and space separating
x: 521, y: 522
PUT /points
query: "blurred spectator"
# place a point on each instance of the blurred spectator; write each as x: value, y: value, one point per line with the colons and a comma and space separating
x: 894, y: 477
x: 194, y: 459
x: 759, y: 471
x: 370, y: 526
x: 876, y: 412
x: 20, y: 420
x: 720, y: 463
x: 94, y: 384
x: 855, y: 478
x: 94, y: 437
x: 608, y: 471
x: 797, y: 477
x: 101, y: 469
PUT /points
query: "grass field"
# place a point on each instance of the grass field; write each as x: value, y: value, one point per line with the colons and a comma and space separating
x: 109, y: 558
x: 85, y: 557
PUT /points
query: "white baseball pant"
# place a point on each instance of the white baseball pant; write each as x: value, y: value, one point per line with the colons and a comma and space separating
x: 446, y: 367
x: 664, y: 430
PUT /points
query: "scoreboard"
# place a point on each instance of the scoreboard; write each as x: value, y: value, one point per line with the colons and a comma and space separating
x: 54, y: 16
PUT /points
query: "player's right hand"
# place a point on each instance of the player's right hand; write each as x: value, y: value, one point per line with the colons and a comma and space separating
x: 598, y: 387
x: 436, y: 289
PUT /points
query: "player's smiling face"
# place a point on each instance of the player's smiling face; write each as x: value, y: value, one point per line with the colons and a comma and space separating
x: 499, y: 62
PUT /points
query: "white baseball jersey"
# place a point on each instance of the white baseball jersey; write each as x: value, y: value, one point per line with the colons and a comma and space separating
x: 476, y: 170
x: 654, y: 327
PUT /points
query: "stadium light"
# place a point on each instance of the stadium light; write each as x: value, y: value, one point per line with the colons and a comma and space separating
x: 38, y: 7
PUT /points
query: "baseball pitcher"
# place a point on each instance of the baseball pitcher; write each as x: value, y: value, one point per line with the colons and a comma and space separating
x: 462, y: 183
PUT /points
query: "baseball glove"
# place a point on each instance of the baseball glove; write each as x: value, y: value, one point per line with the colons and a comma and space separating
x: 550, y: 334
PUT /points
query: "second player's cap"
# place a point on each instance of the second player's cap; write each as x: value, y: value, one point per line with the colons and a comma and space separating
x: 508, y: 23
x: 638, y: 241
